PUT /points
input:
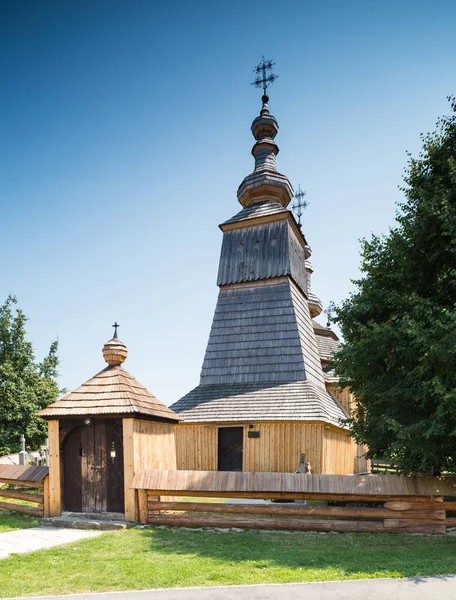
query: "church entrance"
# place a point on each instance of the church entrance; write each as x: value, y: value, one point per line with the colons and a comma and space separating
x: 230, y: 448
x: 93, y: 471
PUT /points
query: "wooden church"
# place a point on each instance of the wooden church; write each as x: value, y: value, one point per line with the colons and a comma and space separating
x: 101, y: 434
x: 266, y: 393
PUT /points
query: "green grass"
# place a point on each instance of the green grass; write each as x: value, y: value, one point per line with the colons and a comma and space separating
x: 143, y: 558
x: 9, y: 522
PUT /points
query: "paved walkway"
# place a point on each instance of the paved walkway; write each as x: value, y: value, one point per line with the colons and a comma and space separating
x: 37, y: 538
x: 425, y: 588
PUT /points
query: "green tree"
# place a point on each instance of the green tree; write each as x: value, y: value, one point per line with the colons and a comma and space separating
x: 25, y: 385
x: 399, y: 326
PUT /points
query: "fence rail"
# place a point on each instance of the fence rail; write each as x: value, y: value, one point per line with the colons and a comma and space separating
x: 34, y: 479
x: 405, y: 506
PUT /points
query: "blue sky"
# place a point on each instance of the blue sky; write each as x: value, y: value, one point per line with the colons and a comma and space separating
x: 125, y: 134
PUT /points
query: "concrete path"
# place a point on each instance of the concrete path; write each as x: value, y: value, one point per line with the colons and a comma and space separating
x: 37, y: 538
x: 426, y: 588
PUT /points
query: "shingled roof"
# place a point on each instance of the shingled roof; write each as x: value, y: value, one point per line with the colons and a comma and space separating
x: 113, y: 391
x: 327, y: 341
x: 259, y: 209
x: 262, y: 361
x: 294, y: 401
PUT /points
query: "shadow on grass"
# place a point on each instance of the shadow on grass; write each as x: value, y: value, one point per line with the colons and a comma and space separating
x: 351, y: 555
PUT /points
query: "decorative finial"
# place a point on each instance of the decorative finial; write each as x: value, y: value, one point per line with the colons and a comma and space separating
x: 116, y: 325
x: 264, y: 76
x: 300, y: 203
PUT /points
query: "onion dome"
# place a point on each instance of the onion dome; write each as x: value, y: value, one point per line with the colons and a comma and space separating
x: 115, y: 352
x: 265, y: 183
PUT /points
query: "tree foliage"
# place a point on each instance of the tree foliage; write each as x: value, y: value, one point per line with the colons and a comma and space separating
x: 399, y: 326
x: 25, y: 385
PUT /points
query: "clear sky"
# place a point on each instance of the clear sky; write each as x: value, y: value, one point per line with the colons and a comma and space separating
x: 125, y: 134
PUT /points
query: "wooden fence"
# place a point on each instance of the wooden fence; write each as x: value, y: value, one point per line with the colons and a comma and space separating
x: 398, y: 504
x: 34, y: 489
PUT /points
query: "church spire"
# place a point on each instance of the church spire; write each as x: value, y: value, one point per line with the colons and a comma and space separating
x: 265, y: 183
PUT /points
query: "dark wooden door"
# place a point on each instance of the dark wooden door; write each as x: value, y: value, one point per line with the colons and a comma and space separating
x: 93, y: 468
x: 115, y: 468
x: 230, y: 448
x: 71, y: 472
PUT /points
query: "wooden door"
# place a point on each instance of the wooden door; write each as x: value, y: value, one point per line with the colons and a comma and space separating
x: 230, y: 448
x: 115, y: 467
x: 93, y: 468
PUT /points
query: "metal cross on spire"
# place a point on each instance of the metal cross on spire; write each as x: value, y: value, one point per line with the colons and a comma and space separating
x: 264, y: 74
x: 116, y: 325
x: 300, y: 204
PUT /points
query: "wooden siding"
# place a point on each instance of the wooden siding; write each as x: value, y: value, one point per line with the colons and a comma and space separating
x: 154, y: 445
x: 328, y: 449
x: 343, y: 396
x: 342, y: 456
x: 196, y: 447
x: 276, y: 450
x: 147, y: 445
x: 280, y: 445
x: 261, y: 252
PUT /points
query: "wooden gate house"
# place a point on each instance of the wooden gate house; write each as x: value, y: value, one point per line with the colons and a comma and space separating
x: 101, y: 434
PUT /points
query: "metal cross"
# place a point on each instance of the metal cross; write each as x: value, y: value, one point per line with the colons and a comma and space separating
x: 116, y: 325
x: 300, y: 203
x: 329, y: 314
x: 262, y: 78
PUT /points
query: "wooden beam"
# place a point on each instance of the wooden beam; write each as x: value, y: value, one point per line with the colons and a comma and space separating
x: 430, y: 504
x: 18, y: 483
x: 36, y: 498
x: 286, y: 496
x: 22, y: 508
x: 46, y: 498
x: 55, y: 492
x: 288, y: 509
x: 131, y: 510
x: 142, y: 506
x: 277, y: 523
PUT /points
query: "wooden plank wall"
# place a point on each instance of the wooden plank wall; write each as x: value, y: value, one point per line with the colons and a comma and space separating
x: 147, y: 445
x: 344, y: 396
x: 342, y: 456
x: 196, y: 447
x: 278, y: 448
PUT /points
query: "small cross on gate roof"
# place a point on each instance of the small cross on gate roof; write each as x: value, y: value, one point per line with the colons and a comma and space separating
x: 116, y: 325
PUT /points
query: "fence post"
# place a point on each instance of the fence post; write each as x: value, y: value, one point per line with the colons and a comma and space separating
x: 46, y: 501
x: 142, y: 506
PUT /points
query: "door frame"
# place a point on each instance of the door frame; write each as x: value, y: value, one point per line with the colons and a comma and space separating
x: 67, y: 428
x: 242, y: 428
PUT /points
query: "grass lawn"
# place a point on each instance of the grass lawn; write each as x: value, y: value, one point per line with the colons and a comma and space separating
x: 143, y: 558
x: 9, y: 522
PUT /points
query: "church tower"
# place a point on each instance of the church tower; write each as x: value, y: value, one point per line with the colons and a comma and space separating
x: 262, y: 399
